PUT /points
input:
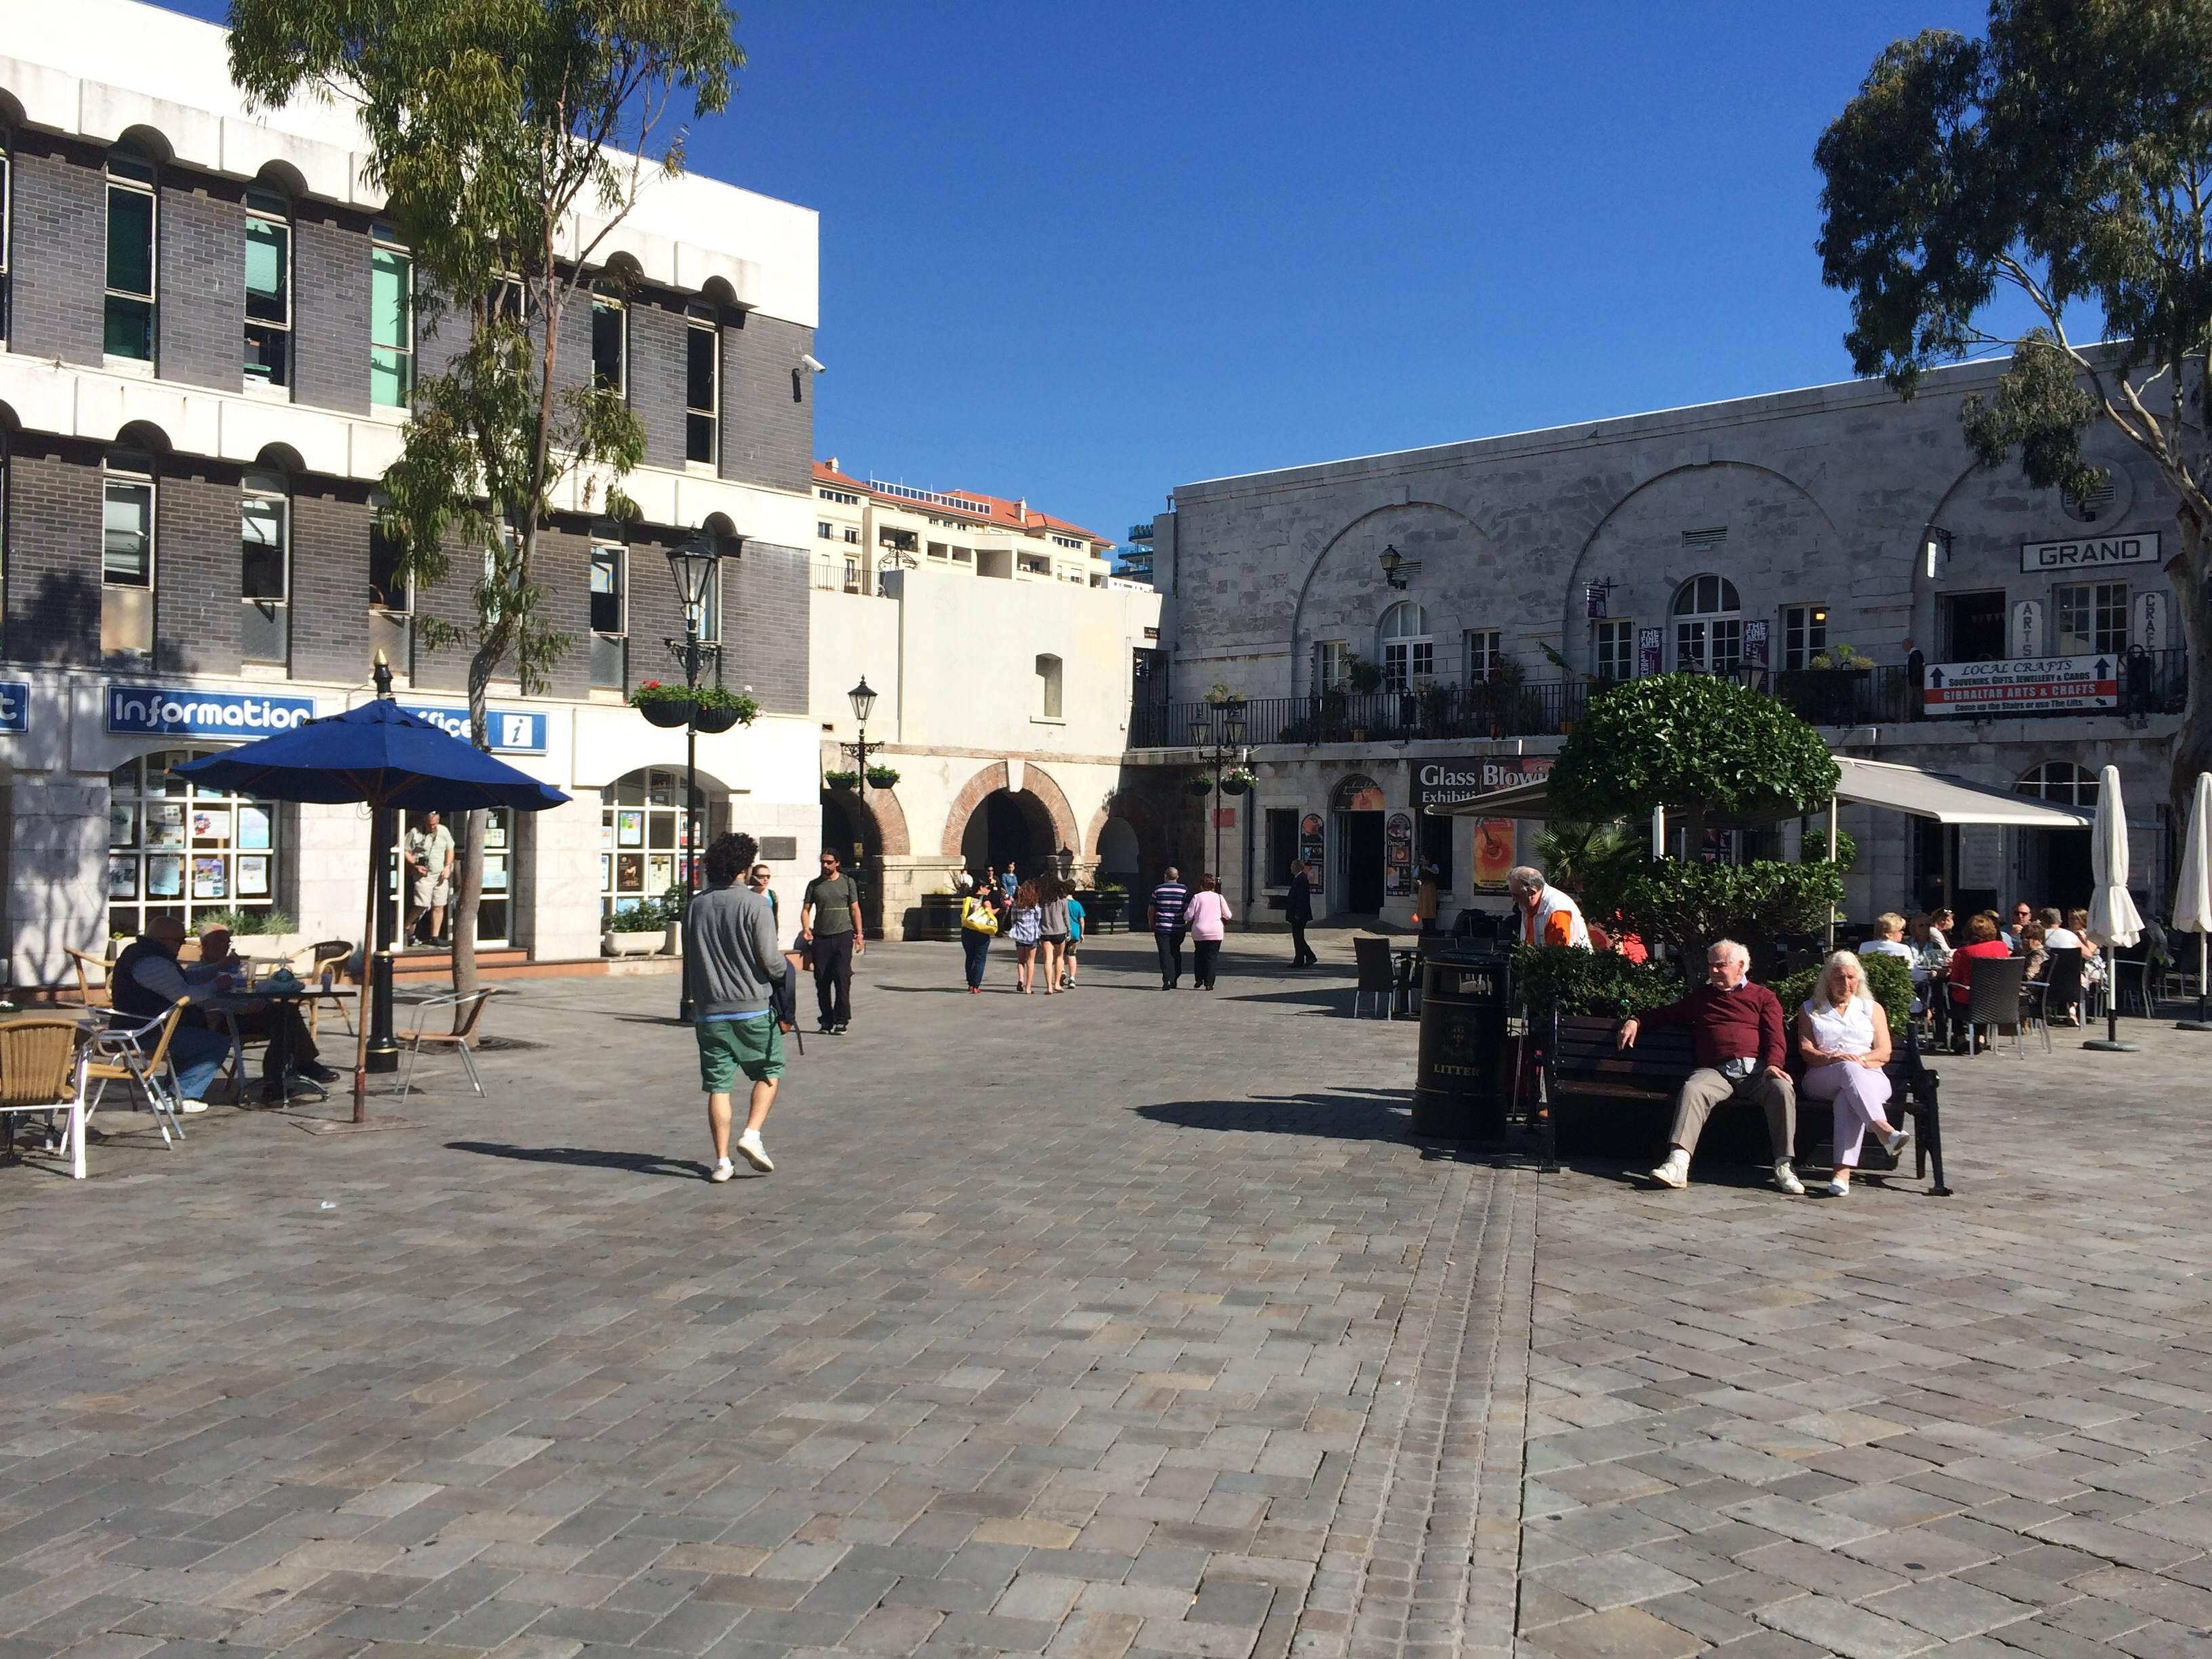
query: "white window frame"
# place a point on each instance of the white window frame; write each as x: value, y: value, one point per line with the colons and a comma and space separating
x: 384, y: 240
x: 2102, y: 606
x: 270, y: 487
x: 620, y: 308
x: 132, y: 471
x: 1708, y: 639
x: 1616, y: 649
x: 7, y: 243
x: 700, y: 320
x: 1485, y: 654
x: 595, y: 564
x: 149, y: 187
x: 1408, y: 655
x: 1800, y: 624
x: 824, y: 531
x: 267, y: 207
x: 1332, y: 665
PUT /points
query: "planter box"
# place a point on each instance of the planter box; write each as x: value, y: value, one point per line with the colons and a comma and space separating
x: 937, y: 917
x: 1105, y: 913
x: 632, y: 945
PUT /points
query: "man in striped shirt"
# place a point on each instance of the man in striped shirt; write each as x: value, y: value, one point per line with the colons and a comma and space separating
x: 1169, y: 899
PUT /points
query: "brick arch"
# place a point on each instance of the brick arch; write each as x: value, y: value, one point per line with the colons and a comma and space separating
x: 988, y: 780
x: 891, y: 821
x: 1037, y: 782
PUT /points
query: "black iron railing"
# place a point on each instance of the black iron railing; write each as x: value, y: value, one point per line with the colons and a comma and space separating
x: 2155, y: 682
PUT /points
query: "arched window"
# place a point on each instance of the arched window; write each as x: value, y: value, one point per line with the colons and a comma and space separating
x: 264, y: 588
x: 1708, y: 626
x: 1408, y: 652
x: 645, y: 835
x: 1048, y: 686
x: 183, y: 847
x: 268, y: 291
x: 2059, y: 780
x: 128, y: 325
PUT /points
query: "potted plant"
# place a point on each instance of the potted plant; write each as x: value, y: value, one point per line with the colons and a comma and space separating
x: 663, y: 705
x: 842, y: 780
x: 1108, y: 906
x: 1201, y: 785
x: 718, y: 708
x: 1827, y: 690
x: 639, y: 931
x: 882, y: 777
x: 1218, y: 693
x: 1237, y: 780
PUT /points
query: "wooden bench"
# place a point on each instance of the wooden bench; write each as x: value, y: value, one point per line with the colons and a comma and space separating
x: 1580, y: 1058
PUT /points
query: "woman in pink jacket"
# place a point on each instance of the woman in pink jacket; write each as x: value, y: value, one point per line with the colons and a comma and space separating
x: 1207, y: 916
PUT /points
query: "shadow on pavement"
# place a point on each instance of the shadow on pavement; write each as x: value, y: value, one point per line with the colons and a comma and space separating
x: 584, y: 1156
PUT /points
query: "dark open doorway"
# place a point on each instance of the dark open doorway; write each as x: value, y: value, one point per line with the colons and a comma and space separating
x: 1974, y: 627
x: 1360, y: 835
x: 849, y: 829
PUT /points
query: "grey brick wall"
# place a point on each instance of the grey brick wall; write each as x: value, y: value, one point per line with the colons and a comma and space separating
x: 330, y: 581
x: 330, y: 293
x: 764, y: 600
x: 196, y: 568
x: 768, y: 412
x: 656, y: 378
x: 59, y: 259
x: 53, y: 552
x: 562, y: 567
x: 453, y: 600
x: 201, y: 337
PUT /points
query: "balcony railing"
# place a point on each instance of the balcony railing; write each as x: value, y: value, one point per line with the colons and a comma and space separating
x: 1506, y: 708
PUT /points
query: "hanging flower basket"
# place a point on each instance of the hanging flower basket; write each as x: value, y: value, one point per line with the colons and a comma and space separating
x: 842, y: 780
x: 709, y: 718
x: 1201, y: 785
x: 882, y: 777
x: 1235, y: 782
x: 663, y: 705
x: 719, y: 708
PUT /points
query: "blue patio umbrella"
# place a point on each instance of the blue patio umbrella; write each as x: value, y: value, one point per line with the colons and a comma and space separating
x: 381, y: 755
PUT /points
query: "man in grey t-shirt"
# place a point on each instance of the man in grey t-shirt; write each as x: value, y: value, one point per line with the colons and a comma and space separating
x: 829, y: 927
x: 737, y: 967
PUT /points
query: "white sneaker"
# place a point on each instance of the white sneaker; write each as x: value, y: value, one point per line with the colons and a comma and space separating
x: 1894, y: 1143
x: 1786, y: 1178
x: 723, y: 1169
x: 192, y: 1106
x: 748, y: 1143
x: 1837, y: 1190
x: 1675, y: 1172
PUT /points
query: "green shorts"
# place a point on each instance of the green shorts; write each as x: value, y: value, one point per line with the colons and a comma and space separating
x: 727, y: 1047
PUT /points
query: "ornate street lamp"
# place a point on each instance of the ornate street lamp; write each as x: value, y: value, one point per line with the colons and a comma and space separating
x: 692, y: 564
x: 864, y: 704
x: 1391, y: 560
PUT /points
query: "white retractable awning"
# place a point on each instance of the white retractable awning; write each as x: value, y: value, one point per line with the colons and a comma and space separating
x: 1887, y: 784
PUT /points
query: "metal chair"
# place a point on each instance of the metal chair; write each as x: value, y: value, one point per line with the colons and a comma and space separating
x: 1993, y: 999
x: 469, y: 1011
x: 38, y: 1073
x: 120, y: 1055
x: 2062, y: 984
x: 90, y: 994
x: 1378, y: 974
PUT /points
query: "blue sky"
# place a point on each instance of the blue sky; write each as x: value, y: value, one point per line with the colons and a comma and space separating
x: 1083, y: 254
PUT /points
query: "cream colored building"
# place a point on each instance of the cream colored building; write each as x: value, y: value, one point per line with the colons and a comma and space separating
x: 1002, y: 654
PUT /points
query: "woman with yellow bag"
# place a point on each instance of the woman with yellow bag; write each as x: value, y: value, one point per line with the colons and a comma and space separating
x: 979, y: 926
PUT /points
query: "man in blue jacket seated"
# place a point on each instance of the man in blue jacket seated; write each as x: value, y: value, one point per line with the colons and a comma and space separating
x: 737, y: 969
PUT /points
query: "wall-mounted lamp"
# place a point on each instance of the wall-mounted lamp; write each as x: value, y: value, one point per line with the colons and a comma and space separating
x: 1391, y: 560
x: 1935, y: 548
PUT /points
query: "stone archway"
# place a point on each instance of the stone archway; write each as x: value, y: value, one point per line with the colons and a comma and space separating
x: 993, y: 819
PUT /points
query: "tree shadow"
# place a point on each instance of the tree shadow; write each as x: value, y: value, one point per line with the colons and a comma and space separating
x: 1347, y: 1112
x: 651, y: 1163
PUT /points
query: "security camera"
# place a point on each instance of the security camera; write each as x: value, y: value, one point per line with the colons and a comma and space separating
x: 813, y: 362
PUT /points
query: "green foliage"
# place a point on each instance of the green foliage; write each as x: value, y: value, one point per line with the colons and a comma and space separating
x: 1888, y: 980
x: 1689, y: 905
x: 882, y: 777
x: 1692, y: 743
x: 1588, y: 859
x: 655, y: 691
x: 746, y: 704
x: 842, y: 780
x: 1558, y: 978
x: 1364, y: 677
x: 248, y: 924
x: 645, y: 916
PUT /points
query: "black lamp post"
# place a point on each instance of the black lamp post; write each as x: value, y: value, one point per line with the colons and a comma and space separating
x: 692, y: 564
x: 864, y: 704
x: 1391, y: 560
x: 383, y: 1050
x: 1220, y: 730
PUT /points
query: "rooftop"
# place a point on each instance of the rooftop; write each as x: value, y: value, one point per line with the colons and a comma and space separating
x: 971, y: 504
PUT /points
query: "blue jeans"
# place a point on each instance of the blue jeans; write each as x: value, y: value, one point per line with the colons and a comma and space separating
x: 198, y: 1054
x: 976, y: 948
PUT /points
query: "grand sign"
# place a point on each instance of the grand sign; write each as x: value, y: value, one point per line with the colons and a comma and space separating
x: 146, y: 711
x: 2043, y: 685
x: 2088, y: 553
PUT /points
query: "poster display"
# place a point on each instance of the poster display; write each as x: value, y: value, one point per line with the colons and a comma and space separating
x: 165, y: 823
x: 629, y: 830
x: 253, y: 829
x: 211, y: 827
x: 122, y: 823
x: 123, y: 878
x: 629, y: 872
x: 1311, y: 845
x: 1398, y: 852
x: 253, y: 876
x: 1650, y: 645
x: 495, y: 872
x: 211, y: 879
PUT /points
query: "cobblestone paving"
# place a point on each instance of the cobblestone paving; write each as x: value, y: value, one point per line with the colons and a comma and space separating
x: 1124, y: 1323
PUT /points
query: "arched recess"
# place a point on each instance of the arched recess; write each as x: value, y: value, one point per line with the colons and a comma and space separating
x: 1360, y: 531
x: 991, y: 822
x: 282, y: 178
x: 1647, y: 582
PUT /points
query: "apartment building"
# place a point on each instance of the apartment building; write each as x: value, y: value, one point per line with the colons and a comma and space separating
x: 864, y: 528
x: 212, y: 339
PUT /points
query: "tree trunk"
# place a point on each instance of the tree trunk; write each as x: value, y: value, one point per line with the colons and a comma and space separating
x: 2192, y: 745
x: 469, y: 855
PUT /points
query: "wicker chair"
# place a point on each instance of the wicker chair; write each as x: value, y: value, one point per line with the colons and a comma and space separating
x: 332, y: 954
x: 38, y: 1073
x: 1993, y: 1000
x: 90, y: 993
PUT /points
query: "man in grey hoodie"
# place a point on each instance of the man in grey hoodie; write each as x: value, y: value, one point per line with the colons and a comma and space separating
x: 736, y: 965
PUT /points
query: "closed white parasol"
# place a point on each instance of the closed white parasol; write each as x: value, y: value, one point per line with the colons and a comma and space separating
x: 2114, y: 922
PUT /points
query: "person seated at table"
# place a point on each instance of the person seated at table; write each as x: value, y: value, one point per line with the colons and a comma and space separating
x: 146, y: 979
x: 219, y: 965
x: 1888, y: 940
x: 1843, y: 1038
x: 2057, y: 935
x: 1941, y: 925
x: 2031, y: 947
x: 1982, y: 944
x: 1735, y: 1032
x: 1928, y: 949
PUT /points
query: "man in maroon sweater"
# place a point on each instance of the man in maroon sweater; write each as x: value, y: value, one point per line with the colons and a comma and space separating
x: 1735, y: 1030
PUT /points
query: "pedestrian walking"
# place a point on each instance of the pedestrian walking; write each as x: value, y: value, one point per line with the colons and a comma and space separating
x: 1297, y: 910
x: 1025, y: 925
x: 829, y: 929
x: 1425, y: 899
x: 1076, y: 917
x: 1167, y: 904
x: 737, y: 967
x: 1052, y: 929
x: 1842, y: 1036
x: 979, y: 926
x: 430, y: 855
x: 1208, y: 916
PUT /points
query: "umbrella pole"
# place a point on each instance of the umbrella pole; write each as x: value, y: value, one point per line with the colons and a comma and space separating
x: 2201, y: 1022
x: 368, y: 973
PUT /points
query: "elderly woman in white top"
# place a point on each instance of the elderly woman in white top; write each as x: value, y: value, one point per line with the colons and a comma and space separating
x: 1843, y: 1038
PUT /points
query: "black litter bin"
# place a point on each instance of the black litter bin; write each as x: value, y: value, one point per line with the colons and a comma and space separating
x: 1464, y: 1078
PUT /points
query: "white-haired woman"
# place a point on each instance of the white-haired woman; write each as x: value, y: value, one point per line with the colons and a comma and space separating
x: 1842, y: 1036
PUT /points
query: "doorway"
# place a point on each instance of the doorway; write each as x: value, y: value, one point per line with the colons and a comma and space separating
x: 1360, y: 835
x: 1974, y: 627
x: 2054, y: 869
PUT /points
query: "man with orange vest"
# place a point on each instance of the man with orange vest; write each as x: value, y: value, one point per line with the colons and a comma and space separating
x: 1548, y: 916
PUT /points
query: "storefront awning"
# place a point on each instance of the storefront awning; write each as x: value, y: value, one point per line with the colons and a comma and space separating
x: 1887, y: 784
